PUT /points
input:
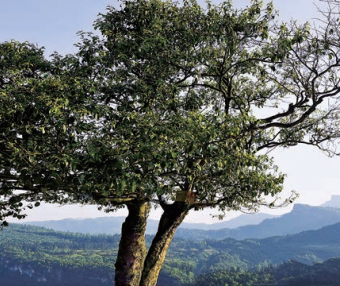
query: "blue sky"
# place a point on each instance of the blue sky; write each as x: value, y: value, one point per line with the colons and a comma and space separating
x: 54, y: 24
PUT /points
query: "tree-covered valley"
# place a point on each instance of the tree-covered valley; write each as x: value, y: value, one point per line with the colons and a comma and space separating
x: 32, y: 255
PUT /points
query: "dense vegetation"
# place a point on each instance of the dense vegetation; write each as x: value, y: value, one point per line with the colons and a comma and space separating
x: 38, y: 254
x: 291, y: 273
x: 30, y: 254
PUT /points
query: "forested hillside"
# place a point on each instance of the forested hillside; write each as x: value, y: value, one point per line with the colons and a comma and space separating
x: 291, y: 273
x: 33, y: 254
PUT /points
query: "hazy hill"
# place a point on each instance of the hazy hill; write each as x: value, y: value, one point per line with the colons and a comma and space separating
x: 301, y: 218
x: 113, y: 225
x: 306, y: 247
x: 242, y: 220
x: 333, y: 202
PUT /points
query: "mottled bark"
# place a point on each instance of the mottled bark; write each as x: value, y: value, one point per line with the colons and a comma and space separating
x: 172, y: 217
x: 132, y: 249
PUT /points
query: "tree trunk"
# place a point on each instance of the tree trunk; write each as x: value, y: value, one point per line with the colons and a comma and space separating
x: 132, y: 249
x: 172, y: 217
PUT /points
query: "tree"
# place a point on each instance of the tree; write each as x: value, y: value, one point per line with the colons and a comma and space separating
x: 174, y: 105
x: 33, y: 141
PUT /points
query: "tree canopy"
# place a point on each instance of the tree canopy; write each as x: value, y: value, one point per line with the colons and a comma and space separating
x: 172, y: 104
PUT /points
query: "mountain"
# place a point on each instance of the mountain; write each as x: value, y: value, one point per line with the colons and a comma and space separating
x: 242, y: 220
x: 305, y: 247
x: 103, y: 225
x: 113, y: 225
x: 301, y: 218
x: 334, y: 202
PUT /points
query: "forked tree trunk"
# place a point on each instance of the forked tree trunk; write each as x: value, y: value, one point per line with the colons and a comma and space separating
x: 172, y: 217
x: 132, y: 249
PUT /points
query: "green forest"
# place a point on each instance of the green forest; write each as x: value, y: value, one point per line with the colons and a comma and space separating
x: 33, y: 255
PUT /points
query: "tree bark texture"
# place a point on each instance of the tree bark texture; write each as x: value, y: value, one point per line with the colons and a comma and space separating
x: 132, y: 249
x: 172, y: 217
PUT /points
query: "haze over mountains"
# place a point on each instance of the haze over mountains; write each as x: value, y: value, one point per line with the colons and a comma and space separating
x: 301, y: 218
x: 333, y: 202
x: 113, y: 225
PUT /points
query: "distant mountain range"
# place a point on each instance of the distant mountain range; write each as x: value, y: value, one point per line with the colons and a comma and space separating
x: 244, y: 219
x: 113, y: 225
x: 301, y: 218
x: 333, y: 202
x: 305, y: 247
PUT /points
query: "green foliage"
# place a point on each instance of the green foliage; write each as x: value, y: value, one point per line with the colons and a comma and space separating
x: 234, y: 278
x: 290, y: 273
x: 165, y: 127
x: 168, y: 98
x: 39, y: 106
x: 163, y: 101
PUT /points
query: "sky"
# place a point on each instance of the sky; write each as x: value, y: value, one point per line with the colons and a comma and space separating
x: 53, y: 24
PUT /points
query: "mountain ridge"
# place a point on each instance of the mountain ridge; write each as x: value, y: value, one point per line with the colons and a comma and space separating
x: 302, y: 217
x: 112, y: 225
